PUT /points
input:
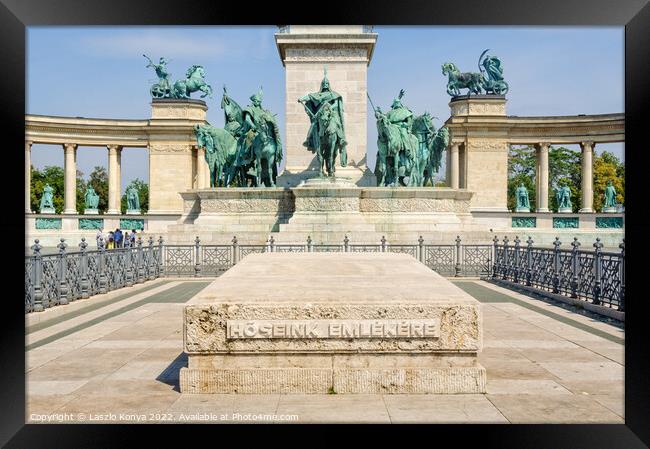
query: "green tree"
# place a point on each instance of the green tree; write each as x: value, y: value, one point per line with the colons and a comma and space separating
x: 521, y: 170
x: 81, y: 193
x: 143, y: 193
x: 607, y: 167
x: 99, y: 181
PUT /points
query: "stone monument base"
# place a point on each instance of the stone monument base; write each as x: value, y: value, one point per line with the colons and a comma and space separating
x: 522, y: 210
x: 91, y: 212
x: 47, y: 210
x: 332, y: 323
x: 565, y: 210
x: 610, y: 210
x: 133, y: 212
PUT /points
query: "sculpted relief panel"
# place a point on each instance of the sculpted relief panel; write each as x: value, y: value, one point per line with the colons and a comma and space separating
x: 169, y: 148
x: 414, y: 205
x: 340, y: 53
x: 343, y: 204
x: 487, y: 145
x: 243, y: 205
x: 185, y: 112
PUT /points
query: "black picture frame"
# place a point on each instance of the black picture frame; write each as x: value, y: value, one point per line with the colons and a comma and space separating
x: 15, y: 15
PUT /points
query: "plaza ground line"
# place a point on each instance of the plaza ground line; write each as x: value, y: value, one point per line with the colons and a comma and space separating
x: 486, y: 295
x: 180, y: 293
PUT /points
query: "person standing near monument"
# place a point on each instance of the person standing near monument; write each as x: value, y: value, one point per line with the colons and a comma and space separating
x: 313, y: 104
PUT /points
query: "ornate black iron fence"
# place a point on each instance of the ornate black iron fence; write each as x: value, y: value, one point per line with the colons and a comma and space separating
x: 597, y: 276
x: 60, y: 278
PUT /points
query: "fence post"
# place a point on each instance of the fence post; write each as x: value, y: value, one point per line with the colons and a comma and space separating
x: 597, y: 269
x: 161, y: 269
x: 271, y: 244
x: 309, y: 244
x: 140, y: 276
x: 505, y: 257
x: 37, y: 274
x: 621, y: 300
x: 383, y: 243
x: 346, y: 242
x: 421, y: 249
x: 457, y: 268
x: 85, y: 284
x: 556, y: 265
x: 574, y: 267
x: 517, y: 259
x: 128, y: 263
x: 62, y: 284
x: 150, y: 274
x: 197, y: 262
x: 529, y: 260
x: 235, y: 251
x: 103, y: 287
x: 495, y: 241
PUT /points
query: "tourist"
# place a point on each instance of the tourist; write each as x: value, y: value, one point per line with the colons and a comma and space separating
x: 118, y: 238
x: 99, y: 237
x: 127, y: 239
x: 111, y: 240
x: 133, y: 237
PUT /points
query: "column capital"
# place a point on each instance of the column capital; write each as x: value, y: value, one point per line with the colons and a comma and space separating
x: 69, y: 146
x: 113, y: 147
x: 543, y: 146
x: 455, y: 146
x: 590, y: 144
x: 28, y: 143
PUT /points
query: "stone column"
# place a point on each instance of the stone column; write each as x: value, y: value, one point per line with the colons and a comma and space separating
x: 113, y: 180
x: 119, y: 179
x: 70, y: 182
x: 28, y: 176
x: 455, y: 166
x: 542, y: 177
x: 201, y: 168
x: 587, y: 177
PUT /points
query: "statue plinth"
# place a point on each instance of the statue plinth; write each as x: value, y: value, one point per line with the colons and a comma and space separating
x: 609, y: 210
x: 565, y: 210
x: 171, y: 151
x: 522, y: 209
x: 47, y: 210
x: 133, y: 212
x: 91, y: 212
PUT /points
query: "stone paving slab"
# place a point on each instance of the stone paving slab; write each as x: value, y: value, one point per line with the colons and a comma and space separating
x: 128, y: 364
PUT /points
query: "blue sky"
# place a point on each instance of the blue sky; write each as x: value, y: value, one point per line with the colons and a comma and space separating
x: 100, y: 72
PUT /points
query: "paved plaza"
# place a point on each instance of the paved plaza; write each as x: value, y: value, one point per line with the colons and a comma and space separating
x: 117, y: 357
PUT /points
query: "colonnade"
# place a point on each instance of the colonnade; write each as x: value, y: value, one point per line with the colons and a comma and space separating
x: 202, y: 180
x: 70, y: 177
x: 454, y: 173
x: 542, y: 177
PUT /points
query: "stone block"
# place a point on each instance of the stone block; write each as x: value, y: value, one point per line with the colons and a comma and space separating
x: 316, y: 322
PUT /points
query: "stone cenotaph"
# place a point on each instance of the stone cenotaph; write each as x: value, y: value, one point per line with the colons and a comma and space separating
x: 345, y: 51
x: 320, y: 323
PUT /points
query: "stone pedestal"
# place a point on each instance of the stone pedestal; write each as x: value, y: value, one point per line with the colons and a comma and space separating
x: 479, y: 149
x: 565, y: 210
x: 346, y: 51
x: 47, y: 210
x: 172, y: 167
x: 522, y: 209
x: 91, y: 212
x: 133, y: 212
x: 324, y: 322
x: 610, y: 210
